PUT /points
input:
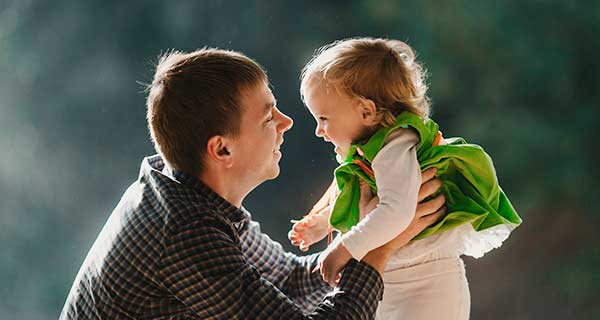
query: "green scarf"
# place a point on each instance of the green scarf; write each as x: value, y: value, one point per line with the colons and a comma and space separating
x: 467, y: 172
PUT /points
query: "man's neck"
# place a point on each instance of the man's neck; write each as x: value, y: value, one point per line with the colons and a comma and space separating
x: 225, y: 186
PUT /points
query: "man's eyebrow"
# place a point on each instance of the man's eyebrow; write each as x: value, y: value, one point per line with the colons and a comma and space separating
x: 269, y: 106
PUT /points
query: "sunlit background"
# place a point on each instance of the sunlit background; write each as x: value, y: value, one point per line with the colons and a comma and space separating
x: 520, y: 78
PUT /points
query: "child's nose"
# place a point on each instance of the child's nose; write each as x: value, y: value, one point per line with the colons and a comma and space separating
x: 319, y: 131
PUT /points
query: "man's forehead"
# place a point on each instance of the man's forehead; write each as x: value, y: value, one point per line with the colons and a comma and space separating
x: 258, y: 99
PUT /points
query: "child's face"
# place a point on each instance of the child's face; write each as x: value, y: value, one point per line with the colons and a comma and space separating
x: 339, y: 118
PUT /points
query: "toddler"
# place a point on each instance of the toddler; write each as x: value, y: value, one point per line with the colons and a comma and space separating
x: 368, y: 97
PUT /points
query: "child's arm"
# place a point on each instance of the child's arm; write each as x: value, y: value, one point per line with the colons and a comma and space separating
x: 427, y: 212
x: 398, y: 177
x: 336, y: 256
x: 315, y: 225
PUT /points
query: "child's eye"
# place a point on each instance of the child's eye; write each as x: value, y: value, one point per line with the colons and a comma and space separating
x: 323, y: 118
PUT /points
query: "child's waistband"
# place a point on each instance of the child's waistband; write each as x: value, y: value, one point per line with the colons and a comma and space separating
x: 423, y: 270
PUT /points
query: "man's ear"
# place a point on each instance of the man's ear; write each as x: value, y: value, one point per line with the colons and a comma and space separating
x: 368, y: 110
x: 217, y: 149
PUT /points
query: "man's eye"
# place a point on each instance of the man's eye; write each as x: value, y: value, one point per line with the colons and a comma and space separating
x: 270, y: 118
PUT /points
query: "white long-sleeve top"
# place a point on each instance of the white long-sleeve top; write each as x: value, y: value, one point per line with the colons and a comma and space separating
x: 398, y: 178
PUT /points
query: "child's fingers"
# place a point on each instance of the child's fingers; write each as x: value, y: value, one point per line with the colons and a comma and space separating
x: 294, y: 235
x: 297, y: 240
x: 329, y: 279
x: 315, y: 269
x: 303, y: 246
x: 294, y: 238
x: 299, y: 227
x: 326, y: 273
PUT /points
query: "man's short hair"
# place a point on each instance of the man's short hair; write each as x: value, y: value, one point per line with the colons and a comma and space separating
x: 195, y: 96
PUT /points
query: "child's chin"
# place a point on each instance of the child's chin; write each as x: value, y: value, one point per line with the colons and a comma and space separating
x: 341, y: 153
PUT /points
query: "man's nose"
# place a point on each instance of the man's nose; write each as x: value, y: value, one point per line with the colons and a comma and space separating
x: 285, y: 123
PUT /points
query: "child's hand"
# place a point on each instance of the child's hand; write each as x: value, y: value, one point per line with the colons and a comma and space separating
x: 311, y: 229
x: 332, y: 261
x: 315, y: 225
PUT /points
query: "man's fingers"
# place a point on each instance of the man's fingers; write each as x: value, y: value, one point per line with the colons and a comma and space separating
x: 432, y: 218
x: 428, y: 188
x: 430, y: 206
x: 428, y: 174
x: 365, y: 191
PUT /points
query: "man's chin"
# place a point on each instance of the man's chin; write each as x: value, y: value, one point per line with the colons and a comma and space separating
x: 274, y: 172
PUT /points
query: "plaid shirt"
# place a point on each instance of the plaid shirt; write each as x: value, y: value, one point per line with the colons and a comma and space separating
x: 174, y: 249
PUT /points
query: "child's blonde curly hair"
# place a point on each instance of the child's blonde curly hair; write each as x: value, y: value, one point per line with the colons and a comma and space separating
x: 382, y: 70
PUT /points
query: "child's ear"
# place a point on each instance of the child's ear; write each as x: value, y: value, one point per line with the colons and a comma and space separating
x: 368, y: 110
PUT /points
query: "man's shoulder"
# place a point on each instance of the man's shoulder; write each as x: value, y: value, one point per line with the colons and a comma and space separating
x: 180, y: 201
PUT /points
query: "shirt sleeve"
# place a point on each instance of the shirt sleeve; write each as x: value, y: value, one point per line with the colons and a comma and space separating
x: 398, y: 178
x: 205, y: 269
x: 290, y: 273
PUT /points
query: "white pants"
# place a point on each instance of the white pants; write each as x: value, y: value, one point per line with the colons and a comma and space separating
x: 427, y: 291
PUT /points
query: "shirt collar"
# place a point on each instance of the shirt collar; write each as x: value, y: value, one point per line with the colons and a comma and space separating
x: 238, y: 216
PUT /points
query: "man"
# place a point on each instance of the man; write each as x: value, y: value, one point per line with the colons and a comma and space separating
x: 179, y: 245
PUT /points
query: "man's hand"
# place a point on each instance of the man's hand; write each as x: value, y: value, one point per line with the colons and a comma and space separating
x: 367, y: 201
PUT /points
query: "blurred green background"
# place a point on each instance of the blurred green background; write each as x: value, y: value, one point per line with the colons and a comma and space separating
x: 520, y: 78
